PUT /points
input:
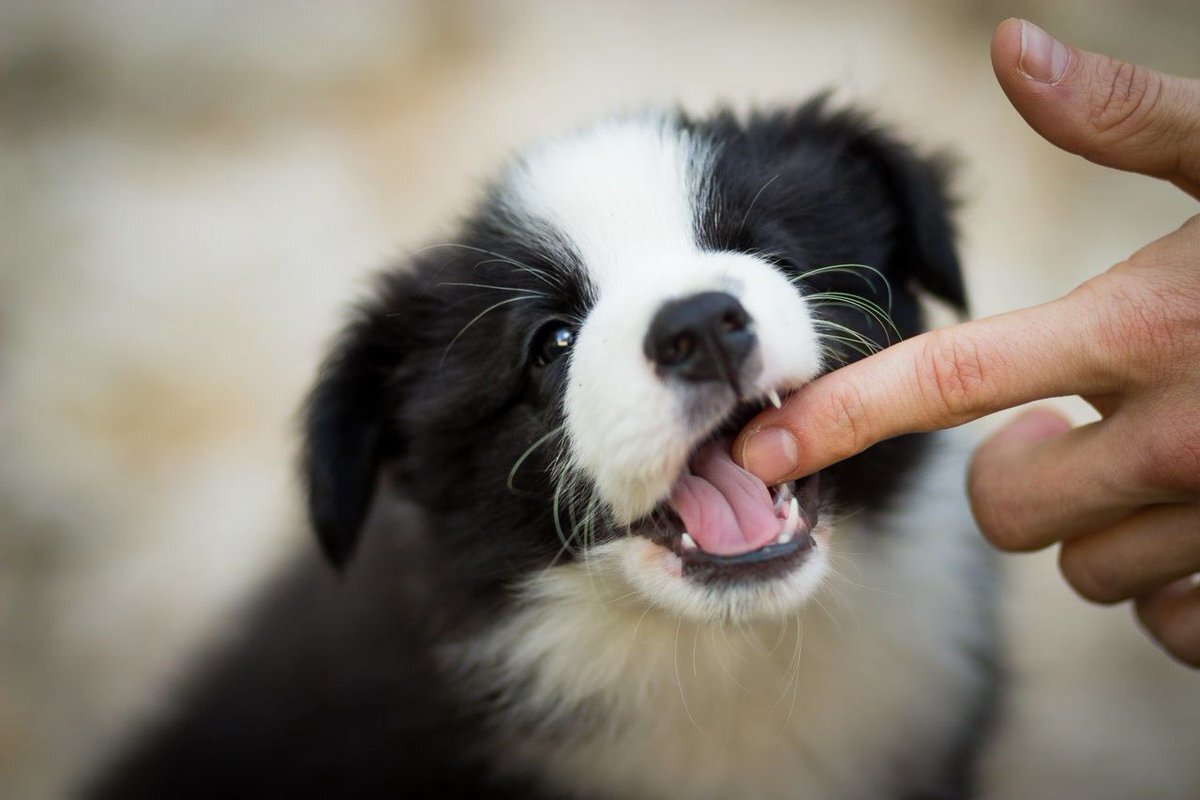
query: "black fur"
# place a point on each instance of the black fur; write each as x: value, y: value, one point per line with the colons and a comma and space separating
x: 330, y: 688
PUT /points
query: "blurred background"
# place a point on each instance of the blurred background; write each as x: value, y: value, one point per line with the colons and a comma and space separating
x: 191, y: 193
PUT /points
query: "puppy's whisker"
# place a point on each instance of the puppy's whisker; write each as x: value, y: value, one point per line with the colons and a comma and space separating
x: 829, y: 354
x: 785, y: 688
x: 540, y: 274
x: 638, y: 625
x: 796, y: 672
x: 512, y: 473
x: 614, y: 600
x: 836, y: 624
x: 831, y: 586
x: 852, y: 344
x: 546, y: 277
x: 857, y: 585
x: 838, y: 517
x: 782, y: 634
x: 515, y: 290
x: 721, y: 661
x: 480, y: 316
x: 868, y: 308
x: 589, y: 537
x: 849, y: 335
x: 555, y: 509
x: 852, y: 269
x: 679, y: 682
x: 749, y: 638
x: 749, y: 208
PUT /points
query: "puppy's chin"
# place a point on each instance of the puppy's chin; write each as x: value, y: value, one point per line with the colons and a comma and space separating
x: 663, y: 579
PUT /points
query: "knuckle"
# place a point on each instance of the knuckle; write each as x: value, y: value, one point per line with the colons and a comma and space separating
x: 1123, y: 98
x: 845, y: 411
x: 1091, y: 577
x: 1169, y: 458
x: 1138, y: 321
x: 951, y: 374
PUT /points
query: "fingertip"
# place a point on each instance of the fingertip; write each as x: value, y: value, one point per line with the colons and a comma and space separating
x: 1030, y: 64
x: 1006, y: 46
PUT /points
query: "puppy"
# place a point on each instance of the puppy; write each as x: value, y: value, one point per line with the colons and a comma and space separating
x: 564, y: 585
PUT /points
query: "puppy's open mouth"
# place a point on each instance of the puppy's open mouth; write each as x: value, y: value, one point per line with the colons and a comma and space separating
x: 726, y: 524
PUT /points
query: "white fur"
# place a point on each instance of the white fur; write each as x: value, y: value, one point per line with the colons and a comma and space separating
x: 626, y: 196
x: 817, y: 702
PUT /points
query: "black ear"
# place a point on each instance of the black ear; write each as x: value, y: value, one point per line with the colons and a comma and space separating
x: 348, y: 432
x: 916, y: 188
x: 926, y: 252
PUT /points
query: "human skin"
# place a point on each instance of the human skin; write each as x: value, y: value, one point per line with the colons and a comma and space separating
x: 1121, y: 495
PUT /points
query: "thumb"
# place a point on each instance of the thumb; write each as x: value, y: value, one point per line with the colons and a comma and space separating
x: 1108, y: 111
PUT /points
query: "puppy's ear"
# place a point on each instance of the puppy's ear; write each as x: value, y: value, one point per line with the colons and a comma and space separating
x: 348, y: 431
x: 916, y: 189
x: 926, y: 252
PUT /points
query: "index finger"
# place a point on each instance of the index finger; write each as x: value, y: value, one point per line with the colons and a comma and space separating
x: 936, y: 380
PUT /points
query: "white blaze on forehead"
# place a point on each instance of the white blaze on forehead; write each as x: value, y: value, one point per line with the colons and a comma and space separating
x: 623, y: 194
x: 626, y: 198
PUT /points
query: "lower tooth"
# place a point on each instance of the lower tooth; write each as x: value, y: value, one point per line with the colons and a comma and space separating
x: 785, y: 537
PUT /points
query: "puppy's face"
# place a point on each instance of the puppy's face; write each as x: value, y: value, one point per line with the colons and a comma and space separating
x: 564, y: 380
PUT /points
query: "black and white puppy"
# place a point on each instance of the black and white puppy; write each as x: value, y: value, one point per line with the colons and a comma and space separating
x: 566, y: 586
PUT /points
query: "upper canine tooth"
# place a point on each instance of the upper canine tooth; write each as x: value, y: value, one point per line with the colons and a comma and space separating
x: 688, y: 542
x: 783, y: 493
x: 793, y: 517
x: 773, y: 396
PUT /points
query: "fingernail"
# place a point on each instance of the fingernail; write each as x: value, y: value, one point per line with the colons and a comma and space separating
x: 1043, y: 57
x: 771, y: 454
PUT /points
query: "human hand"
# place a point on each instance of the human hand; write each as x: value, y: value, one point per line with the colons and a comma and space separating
x: 1122, y: 494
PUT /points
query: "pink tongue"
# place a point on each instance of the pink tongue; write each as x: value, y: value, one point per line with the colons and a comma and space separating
x: 725, y: 509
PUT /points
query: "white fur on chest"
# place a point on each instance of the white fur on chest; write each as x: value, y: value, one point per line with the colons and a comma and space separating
x: 864, y: 683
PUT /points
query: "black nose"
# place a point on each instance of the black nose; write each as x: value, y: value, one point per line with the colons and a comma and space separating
x: 702, y: 337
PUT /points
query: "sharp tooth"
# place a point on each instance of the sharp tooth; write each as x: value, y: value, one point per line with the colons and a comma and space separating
x: 793, y: 517
x: 688, y: 542
x: 773, y: 396
x: 783, y: 493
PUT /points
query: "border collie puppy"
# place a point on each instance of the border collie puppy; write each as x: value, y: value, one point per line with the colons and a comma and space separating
x: 566, y: 586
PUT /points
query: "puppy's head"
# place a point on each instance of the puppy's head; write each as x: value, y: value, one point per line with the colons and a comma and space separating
x: 564, y: 379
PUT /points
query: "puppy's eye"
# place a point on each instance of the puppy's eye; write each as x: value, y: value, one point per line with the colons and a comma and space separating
x: 552, y: 341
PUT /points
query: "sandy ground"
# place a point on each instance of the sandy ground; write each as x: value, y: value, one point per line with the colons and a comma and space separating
x: 190, y: 193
